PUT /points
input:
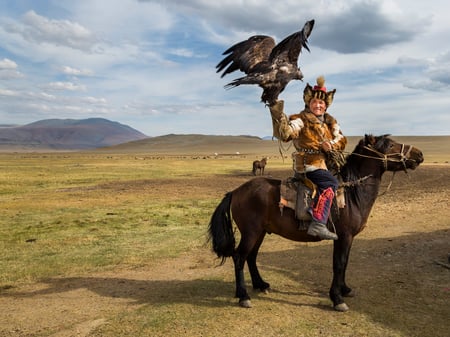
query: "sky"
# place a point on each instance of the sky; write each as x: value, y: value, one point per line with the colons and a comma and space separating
x: 151, y: 64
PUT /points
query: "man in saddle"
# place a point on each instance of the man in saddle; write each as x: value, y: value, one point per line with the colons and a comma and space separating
x: 315, y: 135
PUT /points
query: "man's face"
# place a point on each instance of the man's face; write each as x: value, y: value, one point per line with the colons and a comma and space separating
x: 317, y: 106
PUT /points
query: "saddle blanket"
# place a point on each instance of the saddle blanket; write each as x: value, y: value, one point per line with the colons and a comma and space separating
x: 298, y: 194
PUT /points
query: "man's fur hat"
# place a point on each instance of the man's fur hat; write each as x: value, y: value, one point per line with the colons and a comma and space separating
x: 319, y: 91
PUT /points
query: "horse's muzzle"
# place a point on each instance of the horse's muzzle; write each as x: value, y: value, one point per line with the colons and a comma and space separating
x: 415, y: 158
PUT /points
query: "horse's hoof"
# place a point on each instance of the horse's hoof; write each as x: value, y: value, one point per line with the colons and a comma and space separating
x: 245, y: 303
x: 265, y: 291
x: 342, y: 307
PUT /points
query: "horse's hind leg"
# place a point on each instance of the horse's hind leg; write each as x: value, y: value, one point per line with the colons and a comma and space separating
x: 245, y: 249
x: 257, y: 281
x: 241, y: 290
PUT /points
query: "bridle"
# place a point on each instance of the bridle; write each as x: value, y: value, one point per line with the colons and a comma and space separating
x: 386, y: 158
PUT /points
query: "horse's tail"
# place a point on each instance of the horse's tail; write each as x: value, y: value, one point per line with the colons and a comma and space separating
x: 255, y: 166
x: 221, y: 230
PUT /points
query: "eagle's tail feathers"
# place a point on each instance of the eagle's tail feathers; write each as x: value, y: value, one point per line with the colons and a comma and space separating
x: 242, y: 80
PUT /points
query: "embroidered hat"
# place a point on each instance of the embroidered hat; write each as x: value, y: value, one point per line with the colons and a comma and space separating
x: 319, y: 91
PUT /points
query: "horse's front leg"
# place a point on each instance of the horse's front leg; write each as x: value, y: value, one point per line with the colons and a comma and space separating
x: 247, y: 250
x: 339, y: 289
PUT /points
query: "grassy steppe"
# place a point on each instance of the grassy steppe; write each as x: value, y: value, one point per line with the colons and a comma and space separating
x: 87, y: 212
x: 112, y: 243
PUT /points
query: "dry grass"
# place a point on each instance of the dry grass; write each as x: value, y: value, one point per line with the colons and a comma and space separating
x: 113, y: 244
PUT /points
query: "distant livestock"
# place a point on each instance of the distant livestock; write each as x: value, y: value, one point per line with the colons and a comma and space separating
x: 259, y: 165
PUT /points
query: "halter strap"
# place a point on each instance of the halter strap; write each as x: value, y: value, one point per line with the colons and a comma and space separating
x: 386, y: 157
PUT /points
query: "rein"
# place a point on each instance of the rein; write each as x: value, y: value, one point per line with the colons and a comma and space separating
x: 355, y: 182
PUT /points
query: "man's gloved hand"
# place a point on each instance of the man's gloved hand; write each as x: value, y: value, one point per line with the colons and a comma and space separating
x: 280, y: 124
x: 276, y: 109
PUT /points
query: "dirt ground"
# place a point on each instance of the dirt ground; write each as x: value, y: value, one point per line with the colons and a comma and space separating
x: 401, y: 258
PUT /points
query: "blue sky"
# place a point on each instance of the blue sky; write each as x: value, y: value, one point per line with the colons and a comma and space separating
x: 151, y: 64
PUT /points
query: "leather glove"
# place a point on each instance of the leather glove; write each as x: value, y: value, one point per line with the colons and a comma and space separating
x: 280, y: 127
x: 276, y: 109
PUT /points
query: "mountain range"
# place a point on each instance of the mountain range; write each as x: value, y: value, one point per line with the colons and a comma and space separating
x: 68, y: 134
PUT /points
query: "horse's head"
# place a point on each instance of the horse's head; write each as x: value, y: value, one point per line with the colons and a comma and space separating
x: 395, y: 156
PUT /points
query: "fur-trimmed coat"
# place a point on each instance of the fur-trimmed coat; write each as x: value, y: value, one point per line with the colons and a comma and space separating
x: 307, y: 133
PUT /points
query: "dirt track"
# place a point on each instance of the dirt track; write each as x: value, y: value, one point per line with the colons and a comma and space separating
x: 398, y: 263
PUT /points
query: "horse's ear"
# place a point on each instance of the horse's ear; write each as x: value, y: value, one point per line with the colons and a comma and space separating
x: 369, y: 139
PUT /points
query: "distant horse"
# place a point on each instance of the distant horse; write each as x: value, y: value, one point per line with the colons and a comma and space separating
x: 255, y: 209
x: 259, y: 165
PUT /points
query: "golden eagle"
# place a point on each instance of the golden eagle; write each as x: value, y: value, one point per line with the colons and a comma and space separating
x: 270, y: 66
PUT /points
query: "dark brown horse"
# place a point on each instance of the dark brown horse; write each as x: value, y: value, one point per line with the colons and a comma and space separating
x: 259, y: 165
x: 255, y: 211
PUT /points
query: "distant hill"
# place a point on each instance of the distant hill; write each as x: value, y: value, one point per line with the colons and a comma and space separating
x: 194, y: 144
x: 67, y: 134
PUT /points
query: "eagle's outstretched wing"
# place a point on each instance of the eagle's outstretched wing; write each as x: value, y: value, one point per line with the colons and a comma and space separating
x: 268, y: 65
x: 246, y: 55
x: 289, y: 49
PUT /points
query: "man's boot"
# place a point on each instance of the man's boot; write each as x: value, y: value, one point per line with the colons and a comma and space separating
x: 319, y: 229
x: 320, y: 213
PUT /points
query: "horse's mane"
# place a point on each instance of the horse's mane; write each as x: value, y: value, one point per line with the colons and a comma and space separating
x: 350, y: 172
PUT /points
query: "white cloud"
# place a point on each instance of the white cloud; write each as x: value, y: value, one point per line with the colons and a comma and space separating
x: 7, y: 64
x: 6, y: 92
x: 182, y: 52
x: 66, y: 86
x: 8, y: 70
x: 94, y: 100
x: 76, y: 72
x: 39, y: 29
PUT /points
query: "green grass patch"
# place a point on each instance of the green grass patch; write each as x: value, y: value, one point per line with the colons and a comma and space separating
x: 73, y: 214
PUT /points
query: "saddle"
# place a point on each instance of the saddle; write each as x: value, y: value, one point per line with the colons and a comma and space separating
x: 298, y: 193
